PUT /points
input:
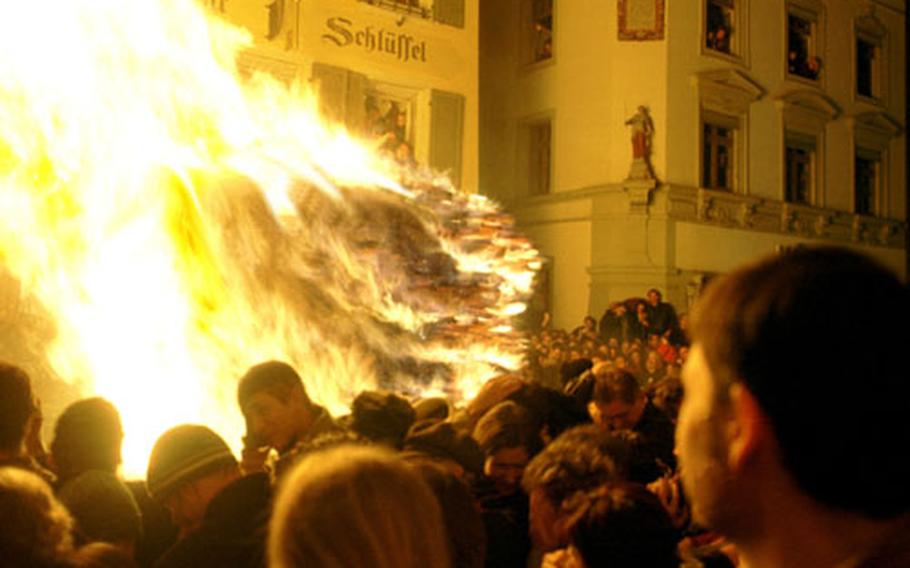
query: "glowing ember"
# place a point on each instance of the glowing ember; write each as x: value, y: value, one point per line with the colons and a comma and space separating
x: 181, y: 225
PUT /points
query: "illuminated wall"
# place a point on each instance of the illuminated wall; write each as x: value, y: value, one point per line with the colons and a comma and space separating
x: 804, y: 119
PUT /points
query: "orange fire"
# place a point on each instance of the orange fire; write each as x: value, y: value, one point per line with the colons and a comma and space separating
x: 181, y: 224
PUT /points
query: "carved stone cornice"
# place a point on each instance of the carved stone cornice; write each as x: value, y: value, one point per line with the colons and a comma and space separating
x: 749, y: 213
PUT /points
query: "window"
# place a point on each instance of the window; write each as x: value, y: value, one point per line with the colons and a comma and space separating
x: 799, y: 164
x: 540, y: 138
x: 718, y: 156
x: 538, y: 30
x: 719, y: 18
x: 865, y: 181
x: 865, y: 67
x: 802, y: 45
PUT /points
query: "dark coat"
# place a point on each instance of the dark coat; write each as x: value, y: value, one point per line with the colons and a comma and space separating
x: 233, y: 531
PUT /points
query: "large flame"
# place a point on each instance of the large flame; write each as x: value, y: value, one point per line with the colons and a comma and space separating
x: 181, y: 224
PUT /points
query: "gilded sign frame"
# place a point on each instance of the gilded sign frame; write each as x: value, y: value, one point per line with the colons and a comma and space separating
x: 629, y: 29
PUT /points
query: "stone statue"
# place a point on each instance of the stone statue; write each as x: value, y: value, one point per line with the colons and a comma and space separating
x: 642, y: 131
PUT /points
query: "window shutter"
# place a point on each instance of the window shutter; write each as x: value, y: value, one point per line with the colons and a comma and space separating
x: 355, y: 102
x: 449, y: 12
x: 332, y: 85
x: 446, y: 132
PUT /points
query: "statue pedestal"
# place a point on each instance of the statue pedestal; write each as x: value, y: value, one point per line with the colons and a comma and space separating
x: 638, y: 191
x: 640, y: 170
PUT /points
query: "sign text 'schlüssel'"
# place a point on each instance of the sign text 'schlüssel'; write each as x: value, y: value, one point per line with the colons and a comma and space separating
x: 404, y: 47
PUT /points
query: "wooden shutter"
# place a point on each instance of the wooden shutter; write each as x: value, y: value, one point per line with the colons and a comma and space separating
x: 341, y: 94
x: 446, y: 133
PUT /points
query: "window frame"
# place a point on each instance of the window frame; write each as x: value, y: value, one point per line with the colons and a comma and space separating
x: 526, y: 154
x: 807, y: 143
x: 877, y: 158
x: 527, y: 36
x: 739, y: 39
x: 814, y: 12
x: 732, y: 124
x: 870, y: 29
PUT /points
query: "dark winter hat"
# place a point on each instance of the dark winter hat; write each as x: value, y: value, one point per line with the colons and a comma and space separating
x: 182, y: 454
x: 103, y: 507
x: 381, y: 416
x: 441, y: 439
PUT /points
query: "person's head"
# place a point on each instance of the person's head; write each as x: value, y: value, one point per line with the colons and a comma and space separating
x: 507, y: 439
x: 188, y: 467
x: 382, y: 417
x: 792, y: 363
x: 104, y: 509
x: 590, y: 323
x: 654, y: 296
x: 653, y: 341
x: 578, y: 460
x: 653, y: 362
x: 88, y: 435
x: 275, y: 405
x: 17, y: 407
x: 622, y: 525
x: 618, y: 401
x: 356, y: 506
x: 36, y: 529
x: 667, y: 394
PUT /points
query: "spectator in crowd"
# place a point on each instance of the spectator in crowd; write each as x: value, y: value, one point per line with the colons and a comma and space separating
x: 796, y: 459
x: 351, y: 507
x: 620, y: 403
x: 578, y: 460
x: 622, y: 525
x: 654, y: 369
x: 382, y: 417
x: 104, y: 510
x: 278, y: 413
x: 87, y: 438
x: 661, y: 315
x: 615, y: 323
x: 36, y: 530
x: 20, y: 422
x: 222, y: 514
x: 88, y: 435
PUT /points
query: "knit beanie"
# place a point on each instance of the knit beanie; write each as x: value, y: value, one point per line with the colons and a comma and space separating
x: 182, y: 454
x: 382, y: 417
x: 104, y: 508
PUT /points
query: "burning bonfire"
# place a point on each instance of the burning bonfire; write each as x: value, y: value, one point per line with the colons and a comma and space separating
x: 179, y: 224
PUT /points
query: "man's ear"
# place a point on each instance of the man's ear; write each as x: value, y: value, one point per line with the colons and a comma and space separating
x: 748, y: 428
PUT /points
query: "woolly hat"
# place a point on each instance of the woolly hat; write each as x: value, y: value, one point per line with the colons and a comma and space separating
x: 182, y: 454
x: 103, y: 507
x: 381, y: 416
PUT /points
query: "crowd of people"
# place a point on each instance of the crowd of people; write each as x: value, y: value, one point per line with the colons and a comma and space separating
x: 783, y: 452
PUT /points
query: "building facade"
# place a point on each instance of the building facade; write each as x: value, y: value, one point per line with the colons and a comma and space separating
x: 767, y: 124
x: 403, y: 72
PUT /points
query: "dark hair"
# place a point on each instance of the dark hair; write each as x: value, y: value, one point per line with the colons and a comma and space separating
x: 616, y: 385
x: 801, y: 333
x: 275, y: 377
x: 463, y: 523
x: 16, y: 405
x: 578, y: 460
x: 506, y: 425
x: 622, y: 525
x: 88, y: 435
